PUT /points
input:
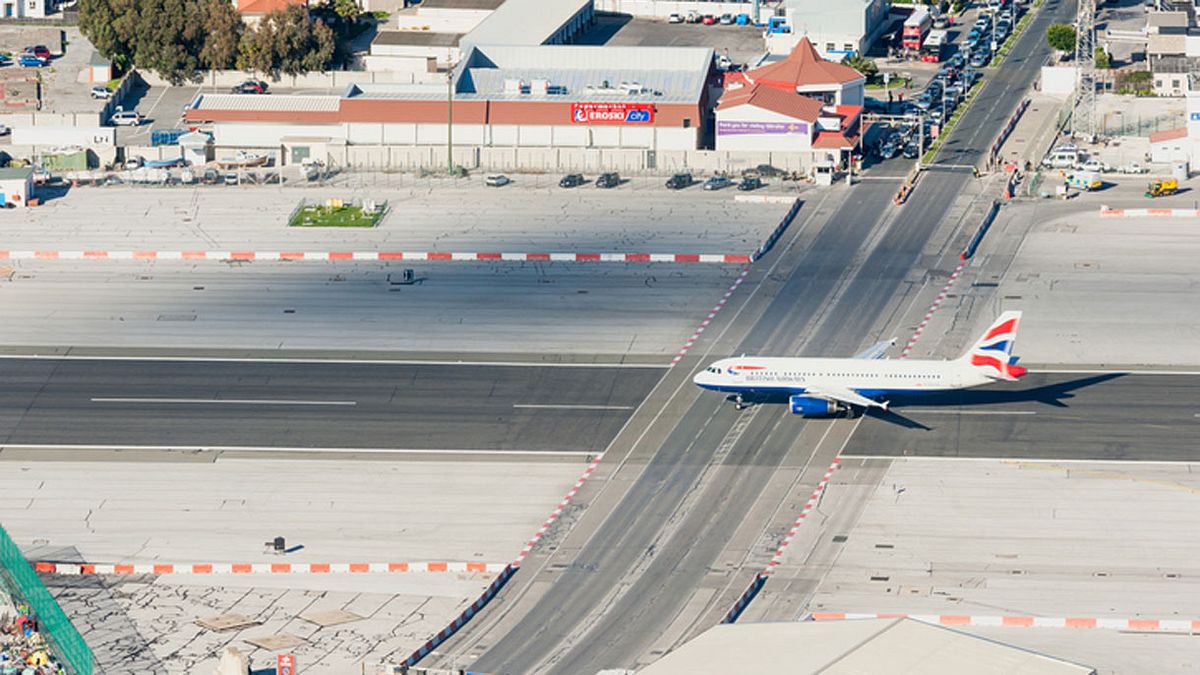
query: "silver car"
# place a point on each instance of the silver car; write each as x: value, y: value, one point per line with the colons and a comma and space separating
x: 717, y: 182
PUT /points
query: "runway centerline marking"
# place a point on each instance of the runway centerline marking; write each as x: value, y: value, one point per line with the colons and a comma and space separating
x: 311, y: 361
x: 563, y: 406
x: 951, y: 411
x: 225, y: 401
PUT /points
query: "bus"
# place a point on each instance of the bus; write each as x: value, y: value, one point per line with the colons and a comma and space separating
x: 934, y: 45
x: 916, y: 27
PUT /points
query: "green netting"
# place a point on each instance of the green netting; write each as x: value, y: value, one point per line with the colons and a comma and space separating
x: 52, y: 622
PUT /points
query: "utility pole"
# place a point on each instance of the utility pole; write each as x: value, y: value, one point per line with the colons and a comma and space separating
x: 450, y: 121
x: 1083, y: 119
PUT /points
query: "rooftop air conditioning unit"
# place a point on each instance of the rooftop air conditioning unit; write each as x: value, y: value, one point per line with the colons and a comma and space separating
x: 539, y: 87
x: 512, y: 86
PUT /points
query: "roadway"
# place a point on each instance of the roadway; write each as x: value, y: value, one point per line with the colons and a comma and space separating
x: 689, y: 468
x: 92, y: 404
x: 1047, y: 415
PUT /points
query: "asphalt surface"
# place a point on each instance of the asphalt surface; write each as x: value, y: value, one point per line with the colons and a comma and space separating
x: 133, y: 403
x: 1057, y: 416
x: 604, y: 605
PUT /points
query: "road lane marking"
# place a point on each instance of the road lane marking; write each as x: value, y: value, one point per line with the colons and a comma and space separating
x: 552, y: 406
x: 226, y: 401
x: 274, y: 449
x: 309, y: 361
x: 951, y: 411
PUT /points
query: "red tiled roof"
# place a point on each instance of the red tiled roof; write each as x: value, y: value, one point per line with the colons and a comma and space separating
x: 833, y: 140
x: 266, y: 6
x: 776, y: 100
x: 1168, y: 135
x: 803, y: 67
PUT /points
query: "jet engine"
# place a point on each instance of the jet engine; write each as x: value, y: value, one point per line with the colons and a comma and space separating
x: 813, y: 407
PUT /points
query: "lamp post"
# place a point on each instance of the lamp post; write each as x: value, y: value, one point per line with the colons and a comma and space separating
x: 450, y: 121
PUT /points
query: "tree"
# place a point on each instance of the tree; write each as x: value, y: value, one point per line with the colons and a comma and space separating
x: 223, y: 30
x: 1061, y: 36
x: 169, y: 39
x: 286, y: 41
x: 347, y: 9
x: 112, y: 27
x: 1103, y: 60
x: 863, y: 65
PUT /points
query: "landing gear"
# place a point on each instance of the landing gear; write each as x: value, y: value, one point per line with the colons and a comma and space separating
x: 739, y: 403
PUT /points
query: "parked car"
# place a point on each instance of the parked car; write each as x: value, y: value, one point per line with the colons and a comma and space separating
x: 924, y: 101
x: 40, y: 51
x: 1095, y: 166
x: 941, y: 21
x: 724, y: 62
x: 887, y: 150
x: 717, y: 183
x: 726, y: 20
x: 125, y: 118
x: 679, y: 181
x: 4, y: 130
x: 101, y: 92
x: 708, y: 19
x: 31, y: 61
x: 608, y: 180
x: 750, y: 183
x: 498, y: 180
x: 1134, y: 167
x: 250, y: 87
x: 675, y: 18
x: 693, y: 17
x: 980, y: 60
x: 571, y: 180
x: 134, y: 163
x: 230, y: 178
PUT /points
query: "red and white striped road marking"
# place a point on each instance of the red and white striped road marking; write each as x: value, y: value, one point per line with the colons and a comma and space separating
x: 808, y: 506
x: 265, y: 568
x: 1150, y: 213
x: 566, y: 501
x: 1148, y: 625
x: 712, y: 314
x: 371, y: 256
x: 912, y: 341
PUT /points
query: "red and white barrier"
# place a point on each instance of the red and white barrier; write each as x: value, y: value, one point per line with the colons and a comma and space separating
x: 370, y: 256
x: 1025, y: 621
x: 712, y: 314
x: 1150, y: 213
x: 266, y: 568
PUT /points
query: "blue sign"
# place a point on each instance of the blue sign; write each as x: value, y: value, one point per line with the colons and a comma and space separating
x: 638, y: 115
x: 1195, y: 117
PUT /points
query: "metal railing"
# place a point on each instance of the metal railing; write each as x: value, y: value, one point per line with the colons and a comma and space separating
x: 60, y: 633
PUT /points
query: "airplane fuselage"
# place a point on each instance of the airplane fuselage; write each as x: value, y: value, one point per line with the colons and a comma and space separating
x: 872, y: 378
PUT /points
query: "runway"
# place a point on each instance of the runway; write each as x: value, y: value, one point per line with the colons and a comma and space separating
x: 101, y: 404
x: 1053, y: 416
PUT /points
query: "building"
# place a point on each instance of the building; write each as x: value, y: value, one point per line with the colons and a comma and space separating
x: 805, y: 72
x: 896, y: 646
x: 503, y: 96
x: 253, y: 11
x: 16, y: 186
x: 532, y: 22
x: 1170, y: 146
x: 837, y: 29
x: 27, y: 9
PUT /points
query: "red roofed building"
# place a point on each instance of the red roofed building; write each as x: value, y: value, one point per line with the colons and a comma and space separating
x: 803, y: 104
x: 805, y: 72
x: 252, y: 11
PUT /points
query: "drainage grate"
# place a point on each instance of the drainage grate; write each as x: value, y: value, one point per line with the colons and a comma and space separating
x: 839, y: 538
x: 880, y: 578
x: 885, y: 546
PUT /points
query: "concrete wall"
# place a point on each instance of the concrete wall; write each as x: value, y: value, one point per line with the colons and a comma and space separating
x: 796, y: 140
x: 62, y: 135
x: 338, y: 79
x: 439, y: 20
x: 1059, y: 80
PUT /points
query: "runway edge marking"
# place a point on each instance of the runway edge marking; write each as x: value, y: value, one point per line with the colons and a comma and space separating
x: 1136, y: 624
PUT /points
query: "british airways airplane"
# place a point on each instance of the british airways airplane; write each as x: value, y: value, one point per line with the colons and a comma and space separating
x: 823, y: 387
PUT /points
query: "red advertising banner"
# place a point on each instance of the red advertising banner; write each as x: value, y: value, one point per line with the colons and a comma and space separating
x: 612, y: 113
x: 285, y: 664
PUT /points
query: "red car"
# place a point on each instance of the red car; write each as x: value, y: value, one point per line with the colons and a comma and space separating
x: 40, y: 51
x: 708, y: 20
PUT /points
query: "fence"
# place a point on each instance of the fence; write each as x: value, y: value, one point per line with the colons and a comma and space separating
x: 61, y: 634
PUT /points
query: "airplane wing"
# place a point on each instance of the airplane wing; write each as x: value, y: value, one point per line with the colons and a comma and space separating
x: 844, y: 395
x: 876, y: 351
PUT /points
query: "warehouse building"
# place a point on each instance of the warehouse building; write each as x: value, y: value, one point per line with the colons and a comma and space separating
x: 502, y: 96
x: 838, y: 29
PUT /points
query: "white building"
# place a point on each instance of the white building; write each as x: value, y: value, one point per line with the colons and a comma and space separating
x: 16, y: 186
x: 838, y: 28
x: 27, y: 9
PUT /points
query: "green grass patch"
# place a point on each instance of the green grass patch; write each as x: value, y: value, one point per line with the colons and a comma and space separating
x: 319, y: 215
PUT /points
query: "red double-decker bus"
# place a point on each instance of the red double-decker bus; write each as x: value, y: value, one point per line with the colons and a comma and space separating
x: 916, y: 27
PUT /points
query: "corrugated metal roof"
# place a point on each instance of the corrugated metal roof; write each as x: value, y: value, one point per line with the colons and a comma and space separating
x: 525, y: 22
x: 267, y: 103
x: 898, y: 646
x: 417, y: 38
x: 666, y: 74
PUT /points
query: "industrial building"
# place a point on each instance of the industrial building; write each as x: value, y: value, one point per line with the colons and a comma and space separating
x: 837, y: 29
x: 498, y: 96
x: 897, y: 646
x: 16, y: 186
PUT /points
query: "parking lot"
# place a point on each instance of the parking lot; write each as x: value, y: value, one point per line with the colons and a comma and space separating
x: 742, y: 44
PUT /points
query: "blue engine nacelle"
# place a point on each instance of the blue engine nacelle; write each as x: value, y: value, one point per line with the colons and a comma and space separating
x: 812, y: 407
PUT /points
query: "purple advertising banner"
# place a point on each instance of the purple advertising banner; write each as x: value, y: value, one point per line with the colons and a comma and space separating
x: 738, y: 128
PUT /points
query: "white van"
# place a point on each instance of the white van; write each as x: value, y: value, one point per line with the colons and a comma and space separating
x: 1062, y: 157
x: 125, y: 118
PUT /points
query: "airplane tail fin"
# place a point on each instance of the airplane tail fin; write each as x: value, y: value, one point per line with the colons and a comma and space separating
x: 992, y: 353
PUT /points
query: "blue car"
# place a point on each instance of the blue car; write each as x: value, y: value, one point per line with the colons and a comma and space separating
x: 31, y: 61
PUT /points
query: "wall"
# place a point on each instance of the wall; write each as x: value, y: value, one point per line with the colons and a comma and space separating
x: 59, y: 136
x: 1058, y: 80
x: 439, y: 20
x: 799, y: 140
x: 336, y: 80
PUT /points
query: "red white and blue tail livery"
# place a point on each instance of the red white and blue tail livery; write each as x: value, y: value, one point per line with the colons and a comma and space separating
x: 816, y: 387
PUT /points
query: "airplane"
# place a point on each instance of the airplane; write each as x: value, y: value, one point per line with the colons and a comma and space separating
x: 822, y: 387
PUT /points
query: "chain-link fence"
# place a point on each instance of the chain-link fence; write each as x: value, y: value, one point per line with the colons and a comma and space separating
x: 53, y: 623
